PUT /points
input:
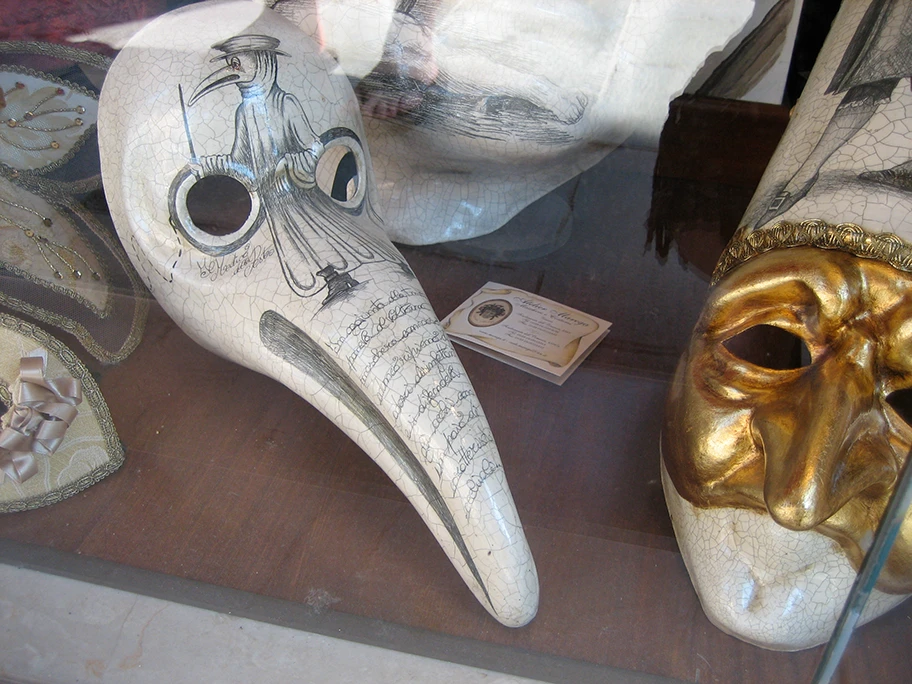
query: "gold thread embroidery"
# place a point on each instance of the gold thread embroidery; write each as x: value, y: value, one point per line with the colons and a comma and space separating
x: 111, y: 261
x: 113, y: 265
x: 66, y: 256
x: 30, y: 118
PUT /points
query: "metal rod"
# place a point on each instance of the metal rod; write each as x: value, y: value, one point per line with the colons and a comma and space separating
x: 873, y: 563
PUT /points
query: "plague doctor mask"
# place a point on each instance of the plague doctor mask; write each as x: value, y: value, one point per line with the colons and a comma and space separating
x: 292, y: 275
x: 778, y: 468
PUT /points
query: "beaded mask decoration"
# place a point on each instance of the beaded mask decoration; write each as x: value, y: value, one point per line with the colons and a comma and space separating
x: 59, y: 264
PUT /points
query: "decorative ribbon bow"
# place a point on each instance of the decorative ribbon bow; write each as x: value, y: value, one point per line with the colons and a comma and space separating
x: 42, y: 411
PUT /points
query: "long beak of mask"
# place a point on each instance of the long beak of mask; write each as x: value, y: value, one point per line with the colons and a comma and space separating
x: 302, y: 285
x: 217, y: 79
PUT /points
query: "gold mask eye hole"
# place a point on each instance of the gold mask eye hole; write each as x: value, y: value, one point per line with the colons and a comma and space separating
x: 901, y: 402
x: 770, y: 347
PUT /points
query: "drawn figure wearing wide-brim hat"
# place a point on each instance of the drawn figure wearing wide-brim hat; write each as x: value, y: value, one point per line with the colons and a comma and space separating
x: 247, y: 43
x: 275, y: 153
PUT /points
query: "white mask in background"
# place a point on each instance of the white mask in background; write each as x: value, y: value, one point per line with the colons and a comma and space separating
x: 475, y: 109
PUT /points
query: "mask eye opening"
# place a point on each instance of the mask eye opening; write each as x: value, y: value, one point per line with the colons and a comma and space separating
x: 339, y: 174
x: 219, y: 205
x: 901, y: 402
x: 769, y: 347
x: 216, y: 214
x: 342, y: 169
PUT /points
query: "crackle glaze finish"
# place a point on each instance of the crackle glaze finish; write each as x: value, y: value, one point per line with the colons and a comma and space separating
x: 776, y: 477
x: 761, y: 582
x: 306, y: 289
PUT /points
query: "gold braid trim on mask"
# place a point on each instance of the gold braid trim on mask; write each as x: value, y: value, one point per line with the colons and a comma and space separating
x: 848, y: 237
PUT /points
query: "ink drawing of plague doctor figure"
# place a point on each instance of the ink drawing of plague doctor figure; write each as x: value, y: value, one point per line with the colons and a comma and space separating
x: 275, y: 157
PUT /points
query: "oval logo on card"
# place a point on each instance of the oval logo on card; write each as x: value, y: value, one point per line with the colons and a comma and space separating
x: 490, y: 312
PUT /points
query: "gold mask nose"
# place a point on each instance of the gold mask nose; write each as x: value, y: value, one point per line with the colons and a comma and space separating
x: 818, y: 446
x: 825, y: 439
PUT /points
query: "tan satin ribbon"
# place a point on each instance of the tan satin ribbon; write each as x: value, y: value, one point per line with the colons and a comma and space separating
x: 39, y: 418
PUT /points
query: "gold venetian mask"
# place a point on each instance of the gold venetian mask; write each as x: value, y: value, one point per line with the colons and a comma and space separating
x: 814, y: 438
x: 815, y: 442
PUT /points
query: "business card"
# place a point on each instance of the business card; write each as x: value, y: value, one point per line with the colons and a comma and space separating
x: 537, y: 335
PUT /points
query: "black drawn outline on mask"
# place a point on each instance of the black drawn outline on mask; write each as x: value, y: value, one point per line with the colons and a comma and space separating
x: 274, y: 155
x: 450, y: 106
x: 877, y: 58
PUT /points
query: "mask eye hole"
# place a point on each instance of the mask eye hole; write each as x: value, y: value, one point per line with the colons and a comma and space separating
x: 901, y: 402
x: 218, y: 205
x: 235, y: 63
x: 217, y: 214
x: 338, y: 174
x: 770, y: 347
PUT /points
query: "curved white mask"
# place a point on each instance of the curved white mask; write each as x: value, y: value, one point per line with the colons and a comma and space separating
x: 475, y: 109
x: 294, y: 277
